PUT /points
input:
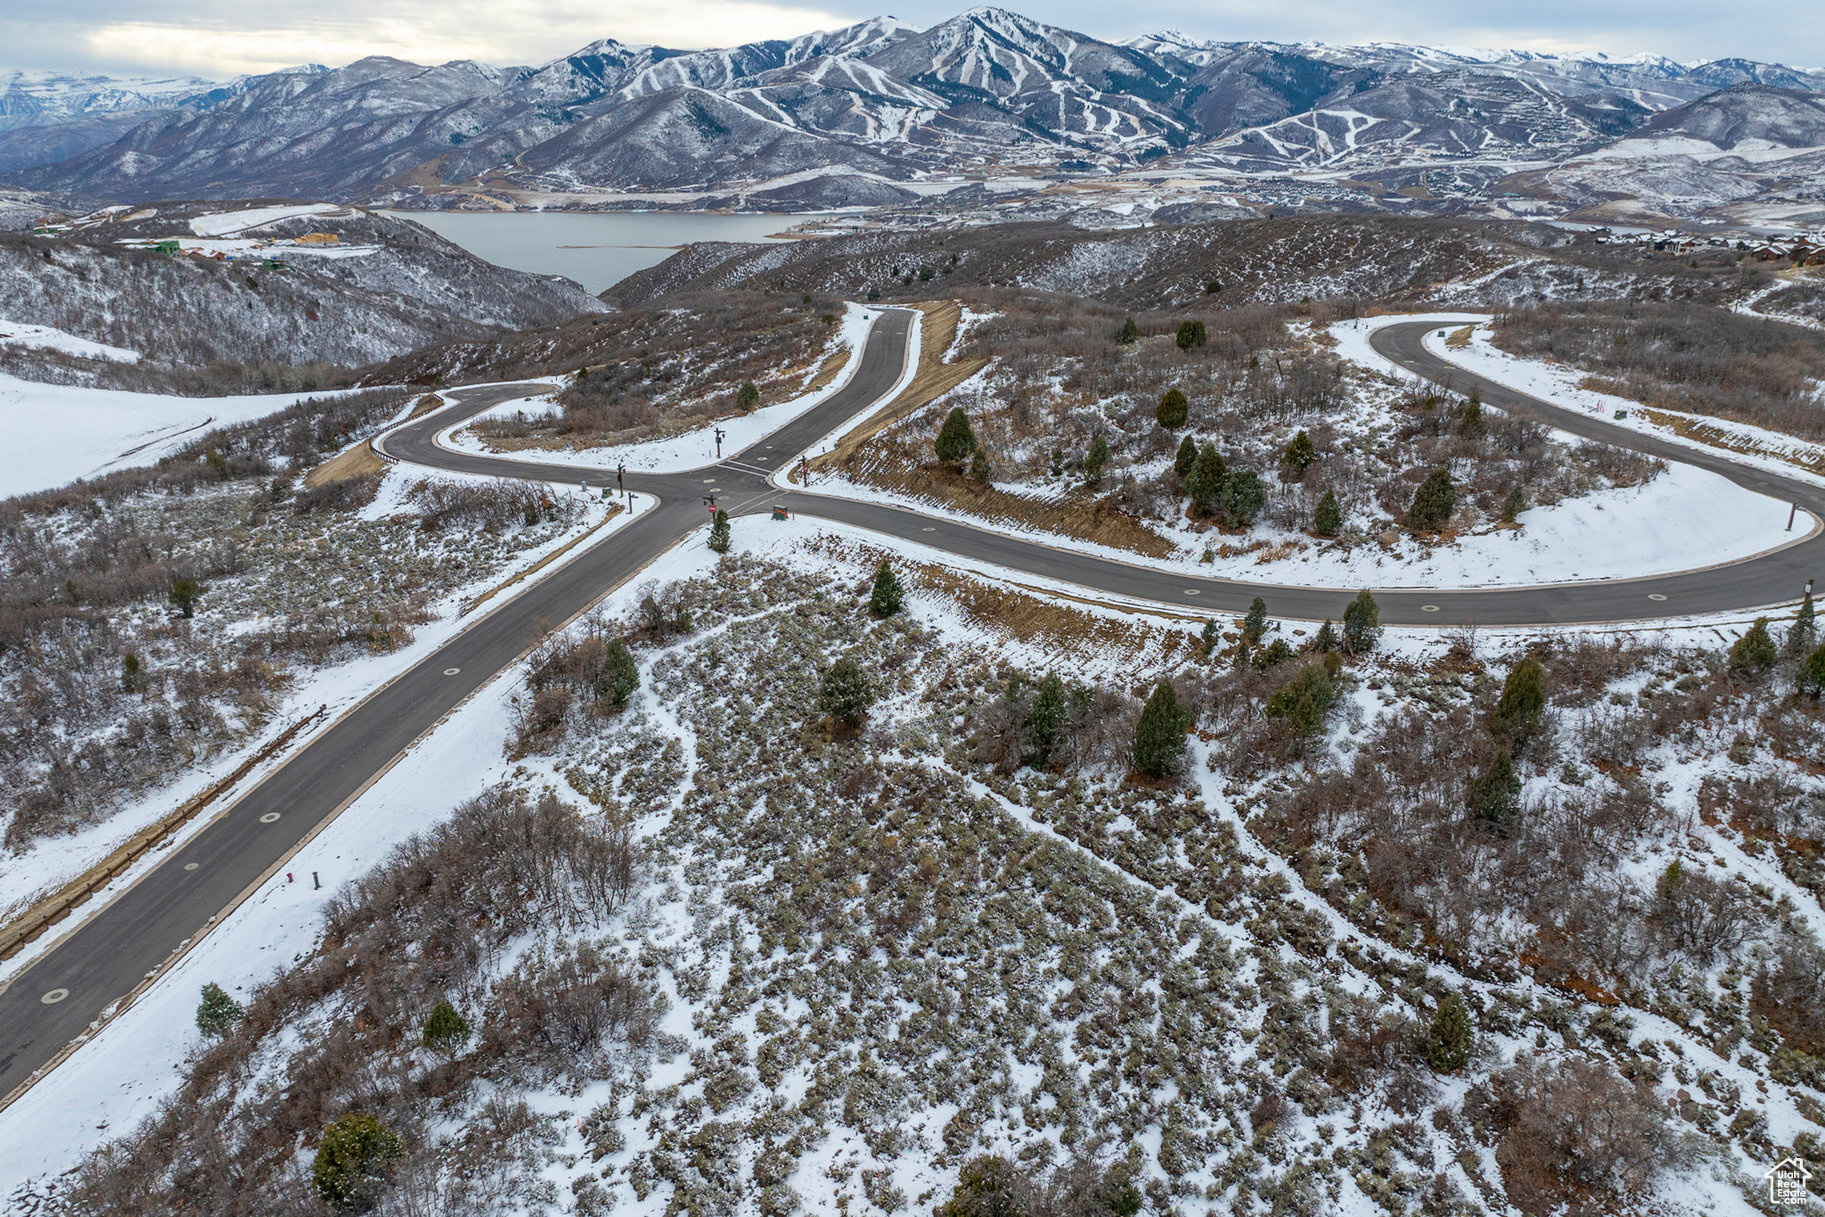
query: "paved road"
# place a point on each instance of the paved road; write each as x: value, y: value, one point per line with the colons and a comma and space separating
x: 108, y: 955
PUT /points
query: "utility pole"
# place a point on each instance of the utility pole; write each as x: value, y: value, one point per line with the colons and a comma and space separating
x: 719, y: 434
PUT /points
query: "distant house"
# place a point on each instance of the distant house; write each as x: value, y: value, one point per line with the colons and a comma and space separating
x: 168, y: 248
x: 319, y: 238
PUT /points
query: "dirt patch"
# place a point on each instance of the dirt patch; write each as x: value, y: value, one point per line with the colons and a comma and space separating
x: 362, y: 460
x: 1459, y: 339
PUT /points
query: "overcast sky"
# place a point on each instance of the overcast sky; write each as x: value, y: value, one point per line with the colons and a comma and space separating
x: 221, y: 38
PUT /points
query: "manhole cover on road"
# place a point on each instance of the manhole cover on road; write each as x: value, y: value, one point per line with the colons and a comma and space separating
x: 1428, y: 608
x: 451, y: 671
x: 928, y: 528
x: 707, y: 481
x: 189, y: 866
x: 269, y: 817
x: 1191, y: 591
x: 1655, y: 596
x: 54, y: 996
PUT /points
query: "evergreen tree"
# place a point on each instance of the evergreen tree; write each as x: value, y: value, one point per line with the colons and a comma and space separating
x: 1255, y: 623
x: 1187, y: 458
x: 1325, y: 640
x: 1273, y: 655
x: 1450, y: 1040
x: 955, y: 439
x: 1361, y: 624
x: 1471, y: 424
x: 1159, y: 739
x: 987, y: 1186
x: 1094, y: 460
x: 1130, y: 332
x: 354, y: 1159
x: 1174, y: 410
x: 884, y: 599
x: 130, y: 669
x: 1804, y: 631
x: 1210, y: 639
x: 1432, y: 502
x: 446, y: 1031
x: 1513, y: 505
x: 1328, y: 518
x: 184, y: 594
x: 217, y: 1013
x: 1299, y: 456
x: 1191, y: 334
x: 1046, y: 721
x: 979, y: 464
x: 747, y: 397
x: 1754, y: 653
x: 845, y: 693
x: 1242, y: 500
x: 1304, y: 700
x: 719, y: 531
x: 1495, y: 797
x: 1205, y: 485
x: 619, y: 676
x: 1517, y: 712
x: 1811, y: 675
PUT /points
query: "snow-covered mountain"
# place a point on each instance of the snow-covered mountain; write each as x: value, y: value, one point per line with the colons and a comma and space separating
x: 846, y: 115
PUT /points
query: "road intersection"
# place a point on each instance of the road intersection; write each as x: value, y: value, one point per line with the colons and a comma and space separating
x: 71, y: 987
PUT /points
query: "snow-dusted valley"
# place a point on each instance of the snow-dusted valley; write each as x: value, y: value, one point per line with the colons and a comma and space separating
x: 1236, y: 637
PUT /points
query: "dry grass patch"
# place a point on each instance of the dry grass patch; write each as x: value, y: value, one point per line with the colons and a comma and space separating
x: 932, y: 380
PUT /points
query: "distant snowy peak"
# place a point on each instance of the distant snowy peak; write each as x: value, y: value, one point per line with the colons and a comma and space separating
x: 39, y: 97
x: 1747, y: 114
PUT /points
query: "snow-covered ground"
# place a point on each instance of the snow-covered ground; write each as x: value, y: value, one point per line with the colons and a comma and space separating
x: 46, y: 337
x: 689, y: 449
x: 228, y: 223
x: 120, y: 1076
x: 55, y: 434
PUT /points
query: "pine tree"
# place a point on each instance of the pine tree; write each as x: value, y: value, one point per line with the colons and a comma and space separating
x: 1495, y: 797
x: 217, y: 1013
x: 1205, y: 485
x: 619, y: 675
x: 747, y: 397
x: 884, y: 599
x: 1471, y: 424
x: 1361, y: 624
x: 354, y: 1159
x: 1130, y: 332
x: 979, y: 464
x: 1328, y: 518
x: 1753, y: 653
x: 1094, y: 460
x: 1046, y: 721
x: 1517, y: 712
x: 1191, y: 334
x: 1304, y: 700
x: 1513, y: 505
x: 1299, y: 455
x: 1187, y: 458
x: 1325, y: 640
x: 719, y: 531
x: 1242, y: 500
x: 1450, y: 1040
x: 1255, y: 623
x: 445, y: 1031
x: 1159, y: 738
x: 955, y: 439
x: 1210, y: 639
x: 130, y: 669
x: 1811, y: 676
x: 184, y: 594
x: 845, y: 693
x: 1173, y: 411
x: 1804, y: 631
x: 1432, y: 502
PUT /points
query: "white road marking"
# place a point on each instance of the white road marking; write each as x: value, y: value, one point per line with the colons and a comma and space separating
x: 269, y: 818
x: 451, y: 671
x: 54, y: 996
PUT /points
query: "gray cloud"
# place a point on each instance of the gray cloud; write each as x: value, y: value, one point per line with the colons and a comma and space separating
x: 219, y: 38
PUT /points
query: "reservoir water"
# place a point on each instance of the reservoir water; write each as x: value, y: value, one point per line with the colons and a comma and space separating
x: 596, y: 248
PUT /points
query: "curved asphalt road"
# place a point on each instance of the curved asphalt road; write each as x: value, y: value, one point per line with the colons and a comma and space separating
x: 105, y: 957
